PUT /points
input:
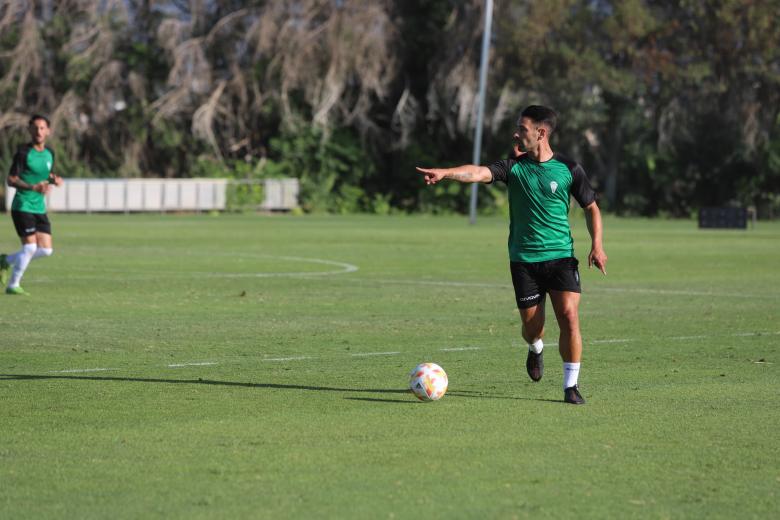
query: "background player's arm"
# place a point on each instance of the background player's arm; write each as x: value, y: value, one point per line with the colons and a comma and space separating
x: 466, y: 173
x: 14, y: 179
x: 16, y: 182
x: 597, y: 255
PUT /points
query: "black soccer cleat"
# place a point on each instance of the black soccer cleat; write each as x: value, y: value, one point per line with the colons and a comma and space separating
x: 534, y: 364
x: 572, y: 395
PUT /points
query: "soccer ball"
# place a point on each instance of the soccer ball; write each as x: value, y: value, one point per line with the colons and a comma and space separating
x: 428, y: 381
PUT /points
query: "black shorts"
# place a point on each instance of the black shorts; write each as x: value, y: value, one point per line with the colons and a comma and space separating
x: 27, y: 224
x: 532, y: 280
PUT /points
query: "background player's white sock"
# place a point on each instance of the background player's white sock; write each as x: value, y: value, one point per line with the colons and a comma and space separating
x: 43, y: 251
x: 571, y: 371
x: 21, y: 259
x: 537, y: 346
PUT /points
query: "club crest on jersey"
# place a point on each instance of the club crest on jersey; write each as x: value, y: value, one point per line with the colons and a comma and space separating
x: 553, y: 186
x: 48, y: 164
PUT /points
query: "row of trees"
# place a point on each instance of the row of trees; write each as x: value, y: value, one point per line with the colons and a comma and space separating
x: 670, y: 105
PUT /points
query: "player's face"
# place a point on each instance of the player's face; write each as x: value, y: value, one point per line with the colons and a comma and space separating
x: 527, y: 134
x: 39, y: 131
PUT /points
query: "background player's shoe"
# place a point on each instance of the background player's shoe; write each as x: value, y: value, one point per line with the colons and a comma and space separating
x: 18, y: 291
x: 534, y: 364
x: 572, y: 395
x: 4, y: 268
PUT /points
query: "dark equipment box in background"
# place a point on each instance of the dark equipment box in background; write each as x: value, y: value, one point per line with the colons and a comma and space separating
x: 736, y: 218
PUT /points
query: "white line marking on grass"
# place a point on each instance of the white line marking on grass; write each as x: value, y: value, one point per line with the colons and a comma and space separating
x: 437, y: 283
x: 296, y: 358
x: 365, y: 354
x: 637, y: 290
x: 75, y: 370
x: 177, y: 365
x: 446, y: 349
x: 344, y: 268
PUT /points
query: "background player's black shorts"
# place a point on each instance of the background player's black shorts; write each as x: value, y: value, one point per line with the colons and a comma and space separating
x: 532, y: 280
x: 27, y: 224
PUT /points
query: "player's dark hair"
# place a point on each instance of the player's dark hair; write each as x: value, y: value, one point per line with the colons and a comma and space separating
x: 36, y: 117
x: 541, y: 116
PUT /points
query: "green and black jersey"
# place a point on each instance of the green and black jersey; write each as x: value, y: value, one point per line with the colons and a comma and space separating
x: 539, y: 205
x: 32, y: 167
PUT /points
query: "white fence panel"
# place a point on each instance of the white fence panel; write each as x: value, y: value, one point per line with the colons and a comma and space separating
x: 158, y: 195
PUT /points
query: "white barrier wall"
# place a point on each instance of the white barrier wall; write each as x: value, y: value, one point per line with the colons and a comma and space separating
x: 158, y: 195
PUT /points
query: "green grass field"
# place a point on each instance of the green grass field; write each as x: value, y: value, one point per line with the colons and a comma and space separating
x: 255, y: 367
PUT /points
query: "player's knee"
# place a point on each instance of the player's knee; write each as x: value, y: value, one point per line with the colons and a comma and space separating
x: 533, y: 330
x: 569, y: 318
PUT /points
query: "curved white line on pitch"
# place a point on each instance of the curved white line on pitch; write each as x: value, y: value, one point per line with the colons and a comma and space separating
x: 344, y: 268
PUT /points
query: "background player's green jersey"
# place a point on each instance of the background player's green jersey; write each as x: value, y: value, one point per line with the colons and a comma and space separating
x: 32, y: 167
x: 539, y: 205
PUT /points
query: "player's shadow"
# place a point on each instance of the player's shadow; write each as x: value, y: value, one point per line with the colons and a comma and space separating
x: 199, y: 381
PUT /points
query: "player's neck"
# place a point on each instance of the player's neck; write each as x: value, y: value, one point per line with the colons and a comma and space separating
x: 39, y: 146
x: 542, y: 153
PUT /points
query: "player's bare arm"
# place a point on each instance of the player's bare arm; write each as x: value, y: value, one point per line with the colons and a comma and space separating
x: 16, y: 182
x: 597, y: 255
x: 467, y: 173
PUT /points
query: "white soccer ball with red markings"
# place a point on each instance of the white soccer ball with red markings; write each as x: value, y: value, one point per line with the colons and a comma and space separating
x: 428, y: 381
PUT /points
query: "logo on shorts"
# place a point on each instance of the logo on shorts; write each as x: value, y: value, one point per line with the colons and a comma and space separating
x: 553, y: 186
x: 529, y: 298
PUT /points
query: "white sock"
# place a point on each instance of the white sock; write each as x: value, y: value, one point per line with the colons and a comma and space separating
x: 537, y: 346
x: 571, y: 371
x: 21, y: 261
x: 43, y: 251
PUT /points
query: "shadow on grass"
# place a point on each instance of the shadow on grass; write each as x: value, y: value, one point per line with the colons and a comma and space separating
x: 199, y: 381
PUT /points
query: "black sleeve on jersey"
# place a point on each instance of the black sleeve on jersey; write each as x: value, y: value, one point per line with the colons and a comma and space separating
x: 51, y: 170
x: 500, y: 169
x: 20, y: 161
x: 581, y: 189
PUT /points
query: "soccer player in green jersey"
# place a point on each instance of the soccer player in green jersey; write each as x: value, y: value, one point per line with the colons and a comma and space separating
x: 32, y: 176
x: 541, y: 250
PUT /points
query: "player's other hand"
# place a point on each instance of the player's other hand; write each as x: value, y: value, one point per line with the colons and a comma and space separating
x: 432, y: 175
x: 598, y: 258
x: 57, y: 180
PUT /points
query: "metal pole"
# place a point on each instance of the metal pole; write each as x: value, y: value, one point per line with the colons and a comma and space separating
x: 483, y: 66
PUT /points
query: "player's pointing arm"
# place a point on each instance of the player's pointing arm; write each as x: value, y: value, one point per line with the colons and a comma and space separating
x: 466, y: 173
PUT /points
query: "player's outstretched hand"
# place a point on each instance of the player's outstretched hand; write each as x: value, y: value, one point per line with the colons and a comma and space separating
x: 432, y: 175
x: 598, y: 258
x: 57, y: 180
